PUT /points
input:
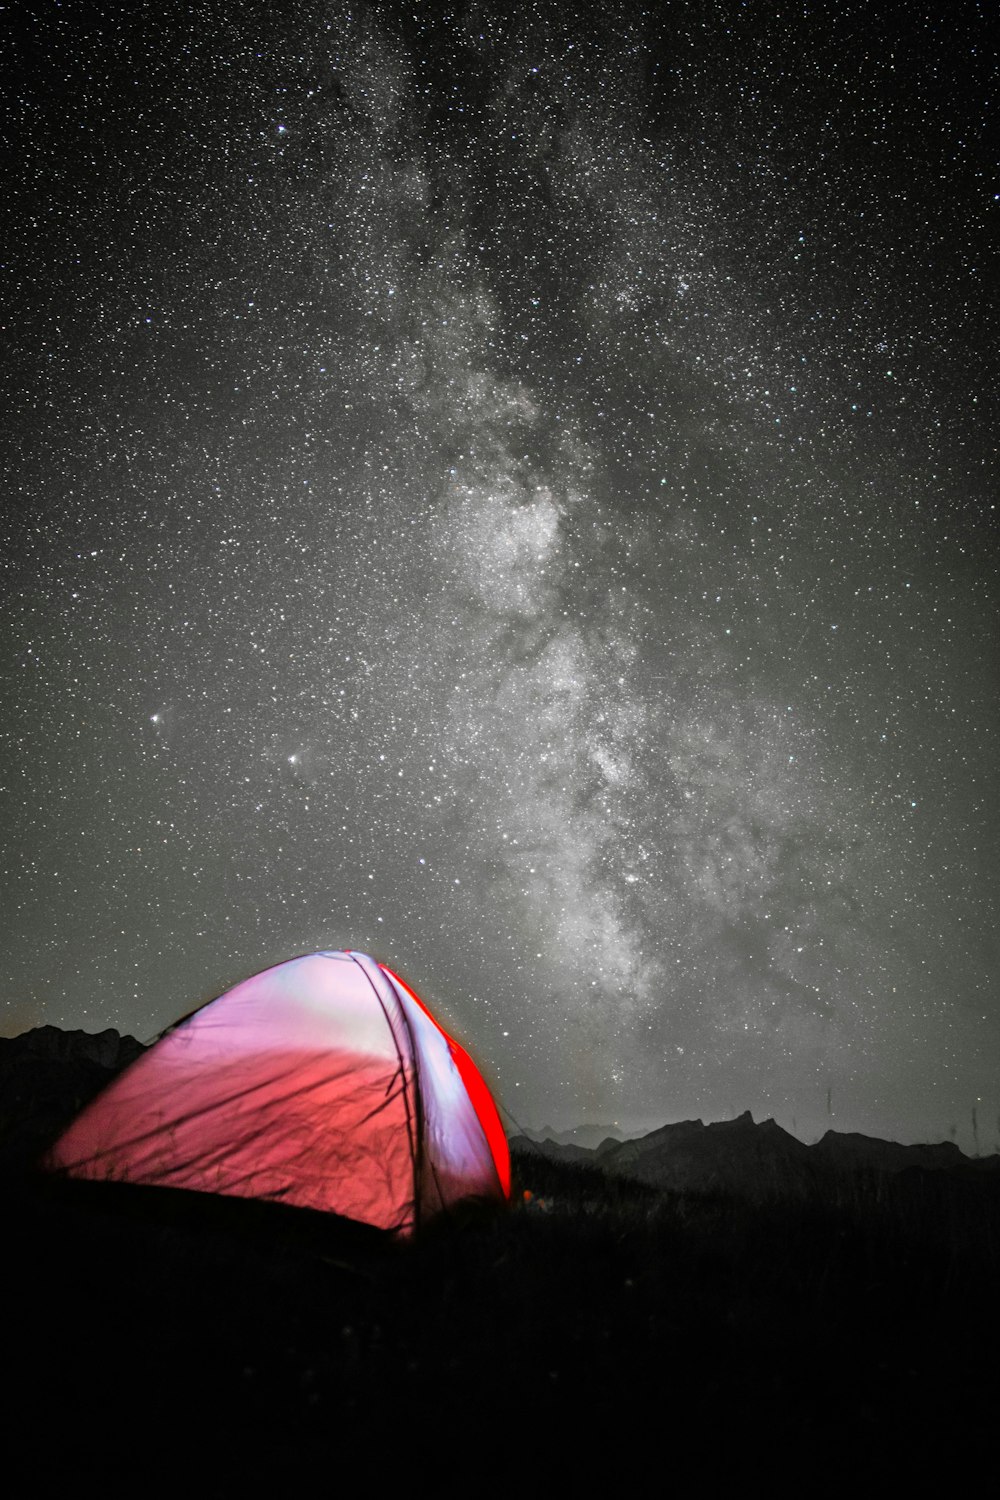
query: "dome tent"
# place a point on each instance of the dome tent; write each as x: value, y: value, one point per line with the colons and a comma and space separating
x: 323, y: 1082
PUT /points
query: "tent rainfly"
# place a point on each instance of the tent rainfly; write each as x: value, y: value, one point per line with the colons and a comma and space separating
x: 323, y: 1082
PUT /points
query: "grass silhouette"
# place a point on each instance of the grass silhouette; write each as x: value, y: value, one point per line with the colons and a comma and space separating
x: 597, y: 1331
x: 857, y: 1323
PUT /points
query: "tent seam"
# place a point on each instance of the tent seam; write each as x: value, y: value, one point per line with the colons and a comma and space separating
x: 413, y: 1129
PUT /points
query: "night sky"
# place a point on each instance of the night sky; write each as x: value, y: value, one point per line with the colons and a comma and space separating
x: 513, y: 494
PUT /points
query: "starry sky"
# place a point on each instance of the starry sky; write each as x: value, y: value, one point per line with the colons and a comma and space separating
x: 513, y: 493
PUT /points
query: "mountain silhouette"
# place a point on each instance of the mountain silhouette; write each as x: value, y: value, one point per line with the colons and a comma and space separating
x: 587, y: 1135
x: 748, y: 1159
x: 46, y: 1076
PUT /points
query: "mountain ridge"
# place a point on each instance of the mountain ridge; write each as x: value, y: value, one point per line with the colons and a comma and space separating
x: 750, y: 1158
x: 48, y: 1074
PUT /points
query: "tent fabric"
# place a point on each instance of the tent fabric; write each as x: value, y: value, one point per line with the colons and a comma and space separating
x: 323, y: 1082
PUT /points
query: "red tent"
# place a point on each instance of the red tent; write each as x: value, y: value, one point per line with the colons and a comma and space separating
x: 323, y: 1082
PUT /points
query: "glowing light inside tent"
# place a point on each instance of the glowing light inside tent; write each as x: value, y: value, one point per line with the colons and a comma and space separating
x: 322, y: 1082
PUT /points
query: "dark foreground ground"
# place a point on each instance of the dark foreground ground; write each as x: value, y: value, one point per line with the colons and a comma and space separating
x: 615, y: 1339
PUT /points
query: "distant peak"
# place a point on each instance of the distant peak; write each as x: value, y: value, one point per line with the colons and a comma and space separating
x: 746, y: 1118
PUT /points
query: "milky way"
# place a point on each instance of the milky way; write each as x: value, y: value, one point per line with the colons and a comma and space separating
x: 514, y: 494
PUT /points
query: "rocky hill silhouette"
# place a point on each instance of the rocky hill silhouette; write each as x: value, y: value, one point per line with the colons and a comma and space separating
x: 747, y: 1159
x: 587, y: 1135
x: 46, y: 1076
